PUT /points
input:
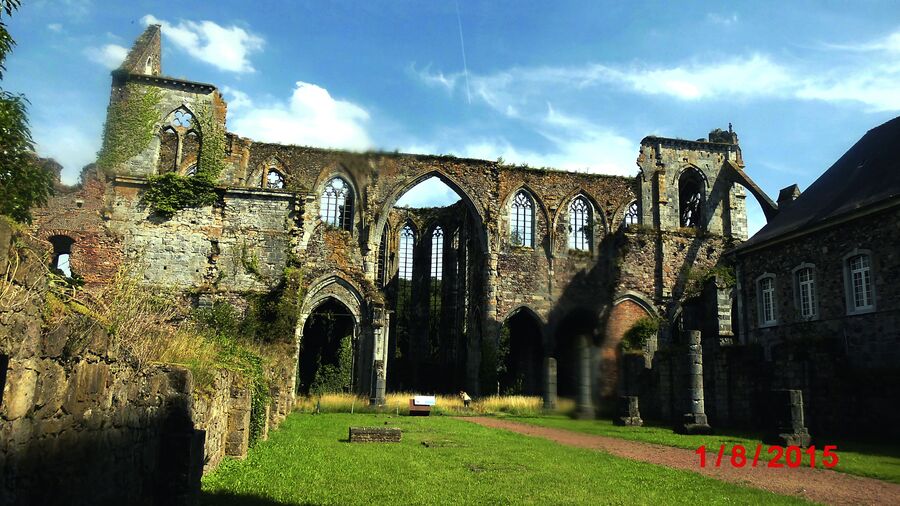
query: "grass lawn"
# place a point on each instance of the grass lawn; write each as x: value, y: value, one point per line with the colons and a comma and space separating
x: 861, y: 459
x: 308, y: 461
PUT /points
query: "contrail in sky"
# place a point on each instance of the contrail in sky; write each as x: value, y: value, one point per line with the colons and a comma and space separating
x: 462, y: 46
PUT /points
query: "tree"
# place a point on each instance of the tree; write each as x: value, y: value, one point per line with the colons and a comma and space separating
x: 24, y: 183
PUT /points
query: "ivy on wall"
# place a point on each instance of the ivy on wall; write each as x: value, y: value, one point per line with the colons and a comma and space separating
x: 130, y: 125
x: 169, y: 193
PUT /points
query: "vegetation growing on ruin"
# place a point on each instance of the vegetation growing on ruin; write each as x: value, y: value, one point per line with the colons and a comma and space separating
x: 131, y: 124
x: 169, y: 193
x: 637, y: 336
x: 698, y: 277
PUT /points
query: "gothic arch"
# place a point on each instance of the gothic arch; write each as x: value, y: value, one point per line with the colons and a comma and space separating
x: 400, y: 189
x: 338, y: 288
x: 639, y: 299
x: 523, y: 308
x: 563, y: 210
x: 256, y: 178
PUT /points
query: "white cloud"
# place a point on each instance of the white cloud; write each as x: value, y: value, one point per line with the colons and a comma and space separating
x: 70, y: 145
x: 227, y: 48
x: 110, y: 55
x: 722, y: 19
x: 310, y: 117
x: 438, y: 79
x: 55, y: 27
x: 866, y: 74
x: 237, y: 99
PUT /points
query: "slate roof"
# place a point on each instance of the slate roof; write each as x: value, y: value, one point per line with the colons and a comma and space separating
x: 868, y: 173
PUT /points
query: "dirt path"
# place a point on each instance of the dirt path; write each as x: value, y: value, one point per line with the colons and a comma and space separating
x: 819, y: 485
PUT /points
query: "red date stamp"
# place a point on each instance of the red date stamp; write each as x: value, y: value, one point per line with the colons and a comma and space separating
x: 774, y: 456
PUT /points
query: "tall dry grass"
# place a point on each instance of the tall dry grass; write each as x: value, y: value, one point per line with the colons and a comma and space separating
x: 452, y: 405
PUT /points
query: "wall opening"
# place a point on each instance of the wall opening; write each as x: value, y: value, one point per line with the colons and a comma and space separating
x: 521, y: 354
x: 327, y: 350
x: 690, y: 199
x: 575, y: 338
x: 434, y: 237
x: 62, y: 253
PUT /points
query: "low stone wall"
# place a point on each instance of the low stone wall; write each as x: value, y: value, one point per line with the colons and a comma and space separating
x: 374, y: 435
x: 77, y: 424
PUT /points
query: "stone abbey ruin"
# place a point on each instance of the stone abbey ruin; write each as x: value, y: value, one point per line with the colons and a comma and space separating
x: 537, y: 281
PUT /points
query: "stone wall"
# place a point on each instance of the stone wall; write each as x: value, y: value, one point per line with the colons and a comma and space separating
x: 68, y: 400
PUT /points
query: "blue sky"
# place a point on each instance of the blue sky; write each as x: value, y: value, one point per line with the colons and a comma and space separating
x: 572, y: 85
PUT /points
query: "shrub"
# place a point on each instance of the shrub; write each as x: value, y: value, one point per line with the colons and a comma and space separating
x: 637, y: 336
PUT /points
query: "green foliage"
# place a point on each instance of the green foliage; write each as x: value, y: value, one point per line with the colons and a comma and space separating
x: 272, y: 317
x: 221, y: 323
x: 24, y: 183
x: 170, y: 193
x: 698, y: 277
x: 212, y: 149
x: 637, y: 336
x: 250, y: 260
x: 131, y: 124
x: 335, y: 378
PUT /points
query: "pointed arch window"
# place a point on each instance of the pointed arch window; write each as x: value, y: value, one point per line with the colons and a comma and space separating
x: 274, y: 179
x: 336, y: 206
x: 580, y: 224
x: 437, y: 266
x: 521, y: 220
x: 631, y: 214
x: 405, y: 258
x: 690, y: 199
x: 381, y: 269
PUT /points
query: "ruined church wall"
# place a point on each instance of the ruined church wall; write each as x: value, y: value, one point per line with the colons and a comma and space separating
x: 69, y: 400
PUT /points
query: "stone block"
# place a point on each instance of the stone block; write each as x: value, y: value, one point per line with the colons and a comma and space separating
x: 375, y: 435
x: 20, y: 390
x: 629, y: 413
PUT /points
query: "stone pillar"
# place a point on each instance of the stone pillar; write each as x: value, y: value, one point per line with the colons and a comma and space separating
x: 379, y: 357
x: 694, y: 421
x: 549, y: 383
x: 585, y: 408
x: 786, y: 423
x: 629, y: 414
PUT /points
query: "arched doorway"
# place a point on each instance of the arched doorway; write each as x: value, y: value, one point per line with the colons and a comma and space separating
x: 521, y: 355
x: 327, y: 350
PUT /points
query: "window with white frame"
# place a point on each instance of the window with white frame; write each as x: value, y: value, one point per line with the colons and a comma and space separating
x: 860, y: 273
x: 806, y: 292
x: 580, y: 224
x: 521, y: 220
x: 767, y: 300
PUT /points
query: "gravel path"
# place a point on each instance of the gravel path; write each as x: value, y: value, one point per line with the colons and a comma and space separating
x: 818, y: 485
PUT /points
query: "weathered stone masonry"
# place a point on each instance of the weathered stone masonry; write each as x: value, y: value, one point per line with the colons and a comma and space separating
x: 243, y: 242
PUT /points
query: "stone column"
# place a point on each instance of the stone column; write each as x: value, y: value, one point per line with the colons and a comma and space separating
x: 585, y: 409
x: 694, y: 421
x: 629, y: 413
x: 379, y: 358
x: 786, y: 423
x: 549, y: 383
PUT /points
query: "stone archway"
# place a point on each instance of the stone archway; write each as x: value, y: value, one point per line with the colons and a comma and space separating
x: 328, y: 350
x: 626, y: 311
